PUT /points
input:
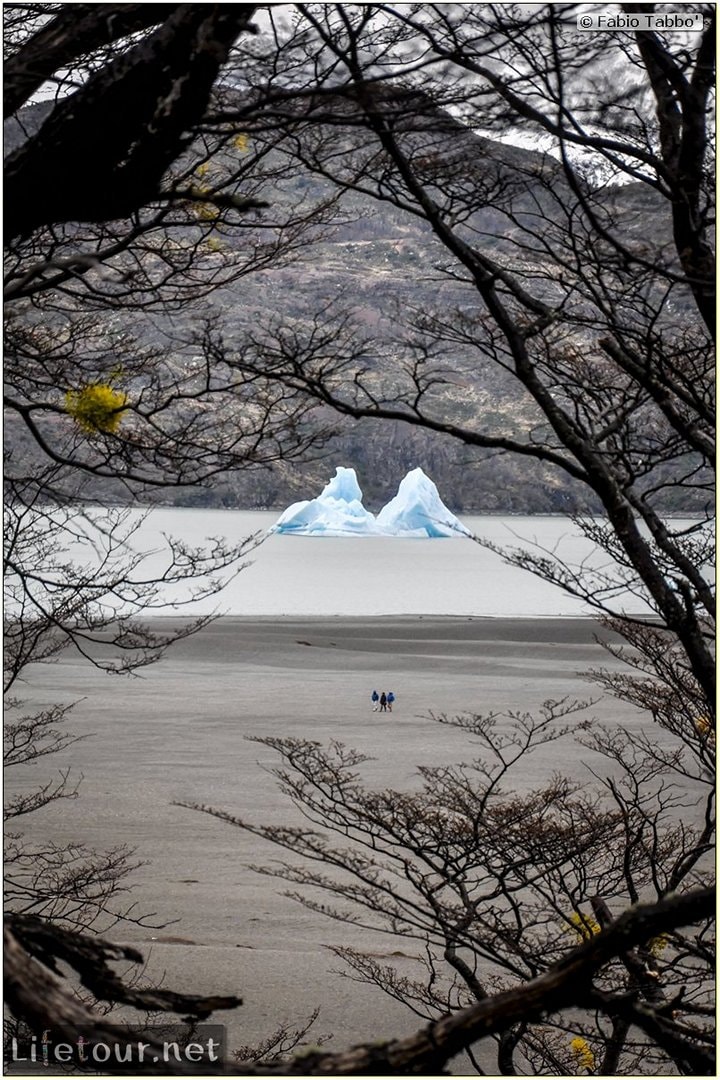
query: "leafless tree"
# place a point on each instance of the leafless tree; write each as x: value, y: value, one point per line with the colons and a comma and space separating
x: 95, y: 414
x: 605, y: 329
x: 492, y: 887
x: 608, y: 331
x: 33, y: 990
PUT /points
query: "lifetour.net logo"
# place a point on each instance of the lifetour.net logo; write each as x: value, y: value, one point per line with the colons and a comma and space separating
x: 120, y: 1046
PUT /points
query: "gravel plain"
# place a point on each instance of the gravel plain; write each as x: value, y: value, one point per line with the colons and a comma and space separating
x: 178, y: 732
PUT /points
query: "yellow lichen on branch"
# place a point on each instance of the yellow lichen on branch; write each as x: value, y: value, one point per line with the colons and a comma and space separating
x: 583, y: 1054
x: 584, y: 925
x: 96, y: 407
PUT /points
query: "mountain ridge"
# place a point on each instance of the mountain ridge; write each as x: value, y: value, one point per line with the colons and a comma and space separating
x: 378, y: 261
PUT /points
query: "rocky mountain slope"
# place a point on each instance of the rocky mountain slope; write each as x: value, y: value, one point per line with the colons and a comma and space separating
x: 380, y: 263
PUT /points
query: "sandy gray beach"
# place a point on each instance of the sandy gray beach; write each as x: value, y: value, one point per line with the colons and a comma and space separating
x: 179, y: 731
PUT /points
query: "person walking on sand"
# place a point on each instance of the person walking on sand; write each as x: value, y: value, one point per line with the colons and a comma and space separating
x: 390, y: 699
x: 383, y: 702
x: 375, y: 699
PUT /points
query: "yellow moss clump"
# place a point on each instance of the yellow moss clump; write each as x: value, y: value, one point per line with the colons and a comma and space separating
x: 241, y: 142
x: 658, y: 944
x: 207, y: 211
x: 96, y: 407
x: 583, y: 1054
x: 584, y: 925
x: 204, y: 211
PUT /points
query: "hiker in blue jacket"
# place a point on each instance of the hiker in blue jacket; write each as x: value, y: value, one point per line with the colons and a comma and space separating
x: 375, y: 699
x: 390, y: 699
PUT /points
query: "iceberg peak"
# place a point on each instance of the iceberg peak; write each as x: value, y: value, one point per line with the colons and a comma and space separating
x: 418, y: 510
x: 344, y: 486
x: 337, y: 511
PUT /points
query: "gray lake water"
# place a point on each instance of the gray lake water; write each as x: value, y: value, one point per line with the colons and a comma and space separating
x: 325, y: 576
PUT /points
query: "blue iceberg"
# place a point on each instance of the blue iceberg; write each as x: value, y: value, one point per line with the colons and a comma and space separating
x: 337, y: 511
x: 416, y: 511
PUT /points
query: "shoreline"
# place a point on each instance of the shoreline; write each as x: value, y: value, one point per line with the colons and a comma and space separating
x: 674, y: 515
x: 404, y: 633
x: 409, y: 616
